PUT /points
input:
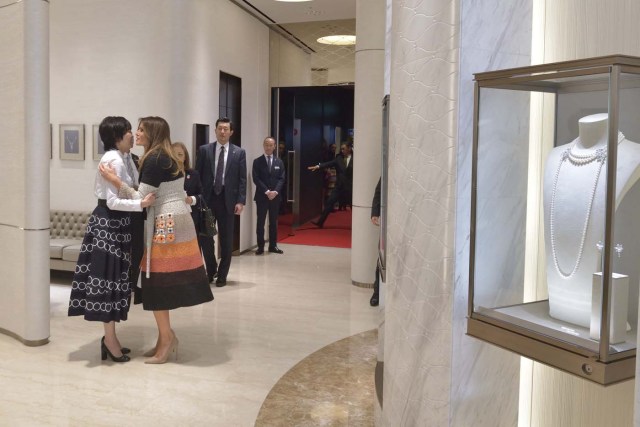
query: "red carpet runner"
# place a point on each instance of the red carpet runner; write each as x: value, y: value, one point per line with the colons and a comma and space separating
x: 336, y: 232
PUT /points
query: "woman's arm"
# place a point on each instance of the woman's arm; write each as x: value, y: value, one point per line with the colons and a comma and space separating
x: 126, y: 198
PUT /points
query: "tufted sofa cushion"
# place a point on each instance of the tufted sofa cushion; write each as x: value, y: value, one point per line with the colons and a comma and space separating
x: 68, y: 224
x: 65, y: 238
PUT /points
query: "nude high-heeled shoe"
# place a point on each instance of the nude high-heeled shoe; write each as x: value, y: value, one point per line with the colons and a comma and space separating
x: 150, y: 353
x: 173, y: 348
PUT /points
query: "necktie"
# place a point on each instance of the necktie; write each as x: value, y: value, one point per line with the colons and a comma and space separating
x: 217, y: 186
x: 127, y: 164
x: 346, y: 162
x: 269, y: 163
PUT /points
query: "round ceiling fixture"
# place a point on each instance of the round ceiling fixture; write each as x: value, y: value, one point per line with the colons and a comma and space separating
x: 338, y: 40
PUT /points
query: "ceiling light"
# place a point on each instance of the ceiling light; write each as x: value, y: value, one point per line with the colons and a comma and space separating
x: 338, y: 40
x: 293, y: 1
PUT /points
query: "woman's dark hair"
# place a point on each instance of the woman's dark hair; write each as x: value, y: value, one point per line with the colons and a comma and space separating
x: 112, y: 129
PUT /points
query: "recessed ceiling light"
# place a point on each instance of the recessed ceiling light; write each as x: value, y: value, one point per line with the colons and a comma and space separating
x: 338, y: 40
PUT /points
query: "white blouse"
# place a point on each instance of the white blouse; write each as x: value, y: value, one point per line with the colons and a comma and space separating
x: 104, y: 190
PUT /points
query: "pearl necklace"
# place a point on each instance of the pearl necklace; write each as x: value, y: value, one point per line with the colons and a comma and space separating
x: 576, y: 159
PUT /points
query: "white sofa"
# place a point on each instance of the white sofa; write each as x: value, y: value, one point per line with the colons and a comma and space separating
x: 65, y: 237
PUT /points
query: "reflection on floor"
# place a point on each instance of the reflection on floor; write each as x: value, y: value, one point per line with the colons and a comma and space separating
x: 333, y: 386
x: 276, y: 310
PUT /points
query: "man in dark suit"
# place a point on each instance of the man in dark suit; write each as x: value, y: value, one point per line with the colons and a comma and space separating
x: 343, y: 163
x: 223, y: 170
x: 268, y: 176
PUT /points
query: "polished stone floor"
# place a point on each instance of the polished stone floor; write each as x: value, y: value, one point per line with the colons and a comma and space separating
x: 333, y: 386
x: 276, y: 311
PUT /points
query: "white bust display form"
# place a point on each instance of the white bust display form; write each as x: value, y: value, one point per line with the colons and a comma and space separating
x: 574, y: 210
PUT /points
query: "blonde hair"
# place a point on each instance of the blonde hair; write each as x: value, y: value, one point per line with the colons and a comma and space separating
x: 157, y: 131
x: 187, y: 164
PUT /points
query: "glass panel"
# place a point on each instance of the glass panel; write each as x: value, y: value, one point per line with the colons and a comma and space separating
x: 555, y: 179
x: 625, y: 245
x: 501, y: 197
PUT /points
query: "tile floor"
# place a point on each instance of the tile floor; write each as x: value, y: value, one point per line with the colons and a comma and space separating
x: 276, y: 310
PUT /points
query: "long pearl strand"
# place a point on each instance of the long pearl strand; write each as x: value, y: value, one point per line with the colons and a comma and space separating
x: 599, y: 155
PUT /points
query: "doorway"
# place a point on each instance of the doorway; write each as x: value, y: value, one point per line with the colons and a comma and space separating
x: 230, y: 106
x: 307, y: 120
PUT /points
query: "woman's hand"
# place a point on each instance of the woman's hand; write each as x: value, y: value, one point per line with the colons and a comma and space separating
x: 314, y: 168
x: 148, y: 200
x: 109, y: 173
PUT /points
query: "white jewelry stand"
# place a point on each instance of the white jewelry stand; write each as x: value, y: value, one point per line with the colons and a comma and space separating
x: 575, y: 188
x: 617, y: 315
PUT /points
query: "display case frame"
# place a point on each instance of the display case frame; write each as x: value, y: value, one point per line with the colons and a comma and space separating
x: 596, y: 361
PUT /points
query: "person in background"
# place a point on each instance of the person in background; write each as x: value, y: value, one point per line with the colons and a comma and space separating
x: 375, y: 220
x: 101, y: 286
x: 223, y: 171
x: 343, y: 163
x: 193, y: 187
x: 173, y: 272
x: 268, y: 176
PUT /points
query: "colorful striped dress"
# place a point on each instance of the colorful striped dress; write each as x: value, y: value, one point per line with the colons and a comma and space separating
x: 173, y: 274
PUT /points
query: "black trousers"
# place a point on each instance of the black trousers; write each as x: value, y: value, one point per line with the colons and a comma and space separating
x: 207, y: 248
x: 226, y: 224
x: 272, y: 207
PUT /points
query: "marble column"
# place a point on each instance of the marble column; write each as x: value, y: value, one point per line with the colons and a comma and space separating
x: 421, y: 211
x: 369, y: 92
x: 26, y: 147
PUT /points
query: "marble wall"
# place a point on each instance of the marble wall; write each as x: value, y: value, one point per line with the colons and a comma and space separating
x: 494, y: 35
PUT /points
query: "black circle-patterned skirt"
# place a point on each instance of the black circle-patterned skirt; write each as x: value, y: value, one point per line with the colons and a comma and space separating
x: 101, y: 289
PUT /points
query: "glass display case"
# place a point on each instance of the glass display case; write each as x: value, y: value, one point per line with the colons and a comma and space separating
x: 555, y: 235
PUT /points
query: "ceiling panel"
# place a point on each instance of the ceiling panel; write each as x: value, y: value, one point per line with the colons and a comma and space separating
x: 308, y: 11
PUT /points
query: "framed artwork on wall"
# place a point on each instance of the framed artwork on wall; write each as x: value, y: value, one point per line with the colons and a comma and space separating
x: 98, y: 145
x: 71, y: 142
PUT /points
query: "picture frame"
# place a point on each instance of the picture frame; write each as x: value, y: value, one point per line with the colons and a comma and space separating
x: 71, y: 142
x: 98, y: 145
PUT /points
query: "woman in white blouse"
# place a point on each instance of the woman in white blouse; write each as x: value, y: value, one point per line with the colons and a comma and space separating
x: 101, y: 287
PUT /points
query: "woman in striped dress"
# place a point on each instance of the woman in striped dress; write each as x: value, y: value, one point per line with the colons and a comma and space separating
x: 173, y: 274
x: 101, y: 286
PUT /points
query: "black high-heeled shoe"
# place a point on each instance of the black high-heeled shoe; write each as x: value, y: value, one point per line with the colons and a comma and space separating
x: 105, y: 352
x: 124, y: 350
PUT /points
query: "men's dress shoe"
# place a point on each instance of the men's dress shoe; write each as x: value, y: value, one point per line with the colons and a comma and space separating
x: 220, y: 282
x: 276, y: 250
x: 374, y: 300
x: 317, y: 224
x: 260, y: 251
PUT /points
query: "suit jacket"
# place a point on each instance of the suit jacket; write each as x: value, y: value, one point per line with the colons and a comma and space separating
x: 235, y: 175
x: 193, y: 187
x: 375, y: 203
x: 267, y: 180
x: 344, y: 174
